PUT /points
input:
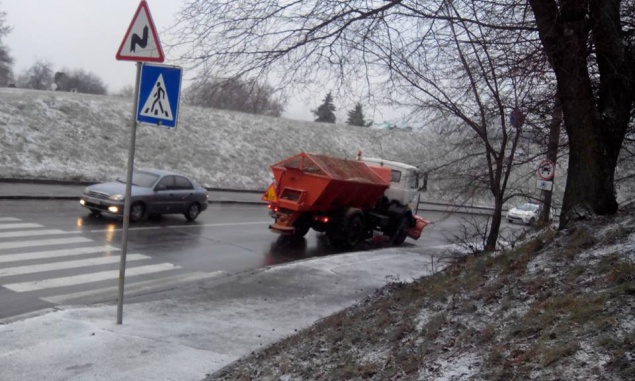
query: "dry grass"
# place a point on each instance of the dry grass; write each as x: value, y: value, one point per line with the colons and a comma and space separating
x: 522, y: 324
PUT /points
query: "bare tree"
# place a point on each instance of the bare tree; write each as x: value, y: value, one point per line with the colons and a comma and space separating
x: 318, y: 41
x: 37, y: 77
x: 126, y: 91
x: 248, y: 96
x: 6, y: 61
x: 82, y: 81
x: 590, y: 42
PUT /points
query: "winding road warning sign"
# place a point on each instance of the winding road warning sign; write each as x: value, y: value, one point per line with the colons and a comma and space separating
x: 141, y: 42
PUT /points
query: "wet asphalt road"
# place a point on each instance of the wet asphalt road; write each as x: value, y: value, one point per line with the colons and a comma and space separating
x: 38, y: 271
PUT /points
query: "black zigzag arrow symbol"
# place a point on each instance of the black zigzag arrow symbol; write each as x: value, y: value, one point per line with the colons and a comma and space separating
x: 141, y: 41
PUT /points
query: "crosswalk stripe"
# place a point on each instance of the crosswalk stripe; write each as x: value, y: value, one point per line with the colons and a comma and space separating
x: 20, y: 226
x: 5, y: 258
x: 43, y: 242
x: 153, y: 284
x: 29, y: 233
x: 9, y: 219
x: 21, y: 270
x: 87, y: 278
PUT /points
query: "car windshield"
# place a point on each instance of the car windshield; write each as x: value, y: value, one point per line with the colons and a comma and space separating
x: 141, y: 179
x: 528, y: 207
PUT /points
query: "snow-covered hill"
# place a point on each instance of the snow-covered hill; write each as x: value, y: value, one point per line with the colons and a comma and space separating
x: 69, y: 136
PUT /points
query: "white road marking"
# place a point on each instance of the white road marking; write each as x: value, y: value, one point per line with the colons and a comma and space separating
x: 9, y: 219
x: 111, y: 292
x: 88, y: 278
x: 30, y: 233
x: 44, y: 242
x: 30, y: 269
x: 4, y: 258
x: 24, y: 225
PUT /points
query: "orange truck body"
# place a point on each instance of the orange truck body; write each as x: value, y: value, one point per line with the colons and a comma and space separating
x: 317, y: 185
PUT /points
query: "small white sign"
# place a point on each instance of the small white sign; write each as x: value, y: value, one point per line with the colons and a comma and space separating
x: 544, y: 185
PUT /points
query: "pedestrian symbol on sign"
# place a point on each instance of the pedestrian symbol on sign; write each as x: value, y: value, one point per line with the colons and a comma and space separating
x: 158, y: 105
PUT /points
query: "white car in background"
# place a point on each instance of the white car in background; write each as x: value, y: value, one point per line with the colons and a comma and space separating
x: 527, y: 213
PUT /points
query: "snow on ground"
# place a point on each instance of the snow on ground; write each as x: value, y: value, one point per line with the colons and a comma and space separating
x: 65, y: 136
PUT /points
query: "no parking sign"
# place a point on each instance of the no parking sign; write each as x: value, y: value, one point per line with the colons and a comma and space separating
x: 546, y: 169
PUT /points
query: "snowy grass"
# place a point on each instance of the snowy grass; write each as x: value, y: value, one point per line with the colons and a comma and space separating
x: 65, y: 136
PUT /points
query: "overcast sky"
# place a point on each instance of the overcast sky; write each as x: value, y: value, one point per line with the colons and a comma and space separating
x: 86, y: 34
x: 76, y: 34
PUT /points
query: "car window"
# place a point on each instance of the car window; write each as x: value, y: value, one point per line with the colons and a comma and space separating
x: 181, y: 182
x: 528, y: 207
x: 167, y: 182
x: 144, y: 179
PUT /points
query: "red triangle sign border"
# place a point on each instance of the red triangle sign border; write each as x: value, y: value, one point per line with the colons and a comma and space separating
x: 139, y: 58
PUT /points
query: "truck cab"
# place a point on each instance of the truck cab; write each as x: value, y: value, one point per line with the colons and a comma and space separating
x: 406, y: 181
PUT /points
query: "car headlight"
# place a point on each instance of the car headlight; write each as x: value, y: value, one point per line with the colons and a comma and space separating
x: 116, y: 197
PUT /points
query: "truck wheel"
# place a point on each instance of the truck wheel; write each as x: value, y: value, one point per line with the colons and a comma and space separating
x: 302, y: 226
x: 347, y: 235
x: 354, y: 231
x: 400, y: 235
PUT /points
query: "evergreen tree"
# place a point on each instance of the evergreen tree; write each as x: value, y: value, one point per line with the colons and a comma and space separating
x: 325, y: 112
x: 356, y: 117
x: 6, y: 61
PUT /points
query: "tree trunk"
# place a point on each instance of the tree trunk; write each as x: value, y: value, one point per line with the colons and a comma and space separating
x: 595, y: 127
x: 552, y: 155
x: 492, y: 236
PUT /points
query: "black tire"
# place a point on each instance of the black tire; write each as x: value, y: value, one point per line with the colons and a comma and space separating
x: 192, y: 212
x: 400, y: 235
x: 137, y: 212
x: 302, y: 225
x: 532, y: 222
x: 354, y: 231
x: 346, y: 235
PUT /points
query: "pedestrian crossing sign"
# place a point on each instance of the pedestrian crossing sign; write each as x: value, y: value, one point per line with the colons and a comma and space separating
x: 159, y: 92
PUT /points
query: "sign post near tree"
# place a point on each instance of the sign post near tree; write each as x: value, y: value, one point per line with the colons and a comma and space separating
x: 141, y: 44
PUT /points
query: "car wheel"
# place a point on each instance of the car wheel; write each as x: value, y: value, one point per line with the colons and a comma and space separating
x: 532, y: 221
x: 510, y: 221
x: 192, y: 212
x: 137, y: 210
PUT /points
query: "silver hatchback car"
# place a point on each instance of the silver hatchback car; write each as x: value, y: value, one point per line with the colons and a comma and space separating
x: 153, y: 192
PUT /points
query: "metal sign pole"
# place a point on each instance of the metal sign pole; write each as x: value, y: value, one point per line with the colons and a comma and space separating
x: 126, y: 209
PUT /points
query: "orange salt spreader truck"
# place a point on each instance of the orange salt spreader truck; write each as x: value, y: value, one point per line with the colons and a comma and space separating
x: 348, y: 200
